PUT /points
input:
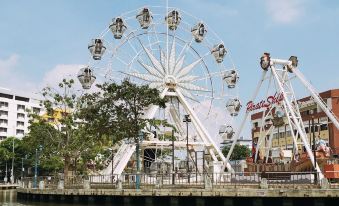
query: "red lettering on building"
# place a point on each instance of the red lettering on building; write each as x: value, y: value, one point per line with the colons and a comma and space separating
x: 271, y: 100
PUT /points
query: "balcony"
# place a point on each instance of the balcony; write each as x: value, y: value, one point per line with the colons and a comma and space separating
x: 3, y: 133
x: 3, y: 108
x: 20, y: 126
x: 3, y: 124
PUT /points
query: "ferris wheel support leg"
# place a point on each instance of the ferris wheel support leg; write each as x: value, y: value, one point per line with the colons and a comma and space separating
x: 237, y: 134
x: 316, y: 97
x: 199, y: 126
x: 295, y: 120
x: 150, y: 113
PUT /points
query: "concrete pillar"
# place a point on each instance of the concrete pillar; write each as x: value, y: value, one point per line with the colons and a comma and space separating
x: 208, y: 182
x: 263, y: 184
x: 87, y: 185
x: 42, y: 185
x: 61, y: 185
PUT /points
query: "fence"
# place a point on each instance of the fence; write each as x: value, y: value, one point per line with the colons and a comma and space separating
x: 175, y: 180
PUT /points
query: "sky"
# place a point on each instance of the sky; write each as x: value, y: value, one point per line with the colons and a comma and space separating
x: 41, y: 41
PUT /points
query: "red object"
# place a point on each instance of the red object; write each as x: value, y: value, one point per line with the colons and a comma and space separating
x: 331, y: 171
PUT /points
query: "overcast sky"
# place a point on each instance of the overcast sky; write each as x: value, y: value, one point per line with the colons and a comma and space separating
x: 43, y: 40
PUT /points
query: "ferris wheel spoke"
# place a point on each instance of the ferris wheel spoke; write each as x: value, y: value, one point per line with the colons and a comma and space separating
x: 157, y: 65
x: 146, y: 77
x: 184, y: 71
x: 179, y: 64
x: 188, y: 94
x: 172, y: 62
x: 150, y: 69
x: 193, y: 87
x: 188, y: 78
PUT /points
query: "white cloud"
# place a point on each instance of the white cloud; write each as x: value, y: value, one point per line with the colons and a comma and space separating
x: 59, y: 72
x: 285, y: 11
x: 6, y: 65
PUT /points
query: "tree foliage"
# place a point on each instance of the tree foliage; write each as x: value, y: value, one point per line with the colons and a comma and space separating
x: 62, y: 135
x: 240, y: 152
x: 118, y: 110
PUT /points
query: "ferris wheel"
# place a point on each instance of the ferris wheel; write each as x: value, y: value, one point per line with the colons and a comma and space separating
x: 180, y: 55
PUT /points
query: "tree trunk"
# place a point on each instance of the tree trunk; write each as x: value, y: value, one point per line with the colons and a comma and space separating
x: 66, y: 165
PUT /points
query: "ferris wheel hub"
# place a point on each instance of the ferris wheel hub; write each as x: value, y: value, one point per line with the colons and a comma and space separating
x: 170, y: 81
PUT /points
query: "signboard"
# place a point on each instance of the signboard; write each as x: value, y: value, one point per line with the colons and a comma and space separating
x: 270, y: 100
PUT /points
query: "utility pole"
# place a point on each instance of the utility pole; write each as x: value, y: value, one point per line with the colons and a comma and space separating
x: 187, y: 119
x: 173, y: 167
x: 12, y: 171
x: 314, y: 151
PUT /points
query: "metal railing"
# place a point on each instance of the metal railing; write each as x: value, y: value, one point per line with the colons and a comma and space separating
x: 176, y: 180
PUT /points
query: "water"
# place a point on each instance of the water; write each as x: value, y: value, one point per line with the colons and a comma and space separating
x: 9, y: 198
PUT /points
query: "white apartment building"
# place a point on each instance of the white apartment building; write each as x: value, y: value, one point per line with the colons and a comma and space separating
x: 13, y: 113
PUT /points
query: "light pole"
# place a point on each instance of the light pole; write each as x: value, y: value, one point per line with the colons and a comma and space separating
x: 187, y: 119
x: 22, y: 167
x: 139, y: 138
x: 36, y: 166
x: 5, y: 179
x: 12, y: 171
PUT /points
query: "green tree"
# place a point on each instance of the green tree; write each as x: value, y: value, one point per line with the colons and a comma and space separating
x: 240, y: 152
x: 63, y: 136
x: 118, y: 110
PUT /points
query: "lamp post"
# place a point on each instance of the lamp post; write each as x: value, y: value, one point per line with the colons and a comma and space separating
x: 22, y: 167
x: 139, y: 138
x: 187, y: 119
x: 12, y: 170
x: 36, y: 166
x: 314, y: 150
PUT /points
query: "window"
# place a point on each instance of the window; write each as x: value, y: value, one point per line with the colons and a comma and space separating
x: 3, y: 121
x: 20, y: 115
x: 23, y: 99
x: 3, y: 113
x: 255, y: 124
x: 20, y: 107
x: 20, y: 131
x: 8, y: 96
x: 3, y: 104
x: 306, y: 129
x: 18, y: 123
x: 3, y: 129
x: 323, y: 127
x: 36, y: 110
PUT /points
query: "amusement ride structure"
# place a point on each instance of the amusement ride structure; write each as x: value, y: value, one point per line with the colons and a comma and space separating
x: 171, y: 50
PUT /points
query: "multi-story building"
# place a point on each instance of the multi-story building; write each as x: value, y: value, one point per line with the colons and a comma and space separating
x: 322, y: 127
x: 14, y: 113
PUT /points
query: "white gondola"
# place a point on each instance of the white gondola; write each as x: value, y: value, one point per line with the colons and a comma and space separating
x: 86, y: 77
x: 199, y: 32
x: 226, y: 132
x: 117, y: 27
x: 219, y: 52
x: 173, y: 19
x: 97, y: 48
x: 294, y: 64
x: 233, y: 106
x: 145, y: 18
x: 231, y: 78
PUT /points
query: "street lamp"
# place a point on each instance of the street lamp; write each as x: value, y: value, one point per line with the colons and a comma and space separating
x: 187, y: 119
x: 36, y: 166
x: 12, y: 171
x: 22, y: 167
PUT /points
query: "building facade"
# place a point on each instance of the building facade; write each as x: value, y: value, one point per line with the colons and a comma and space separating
x: 314, y: 119
x: 14, y: 113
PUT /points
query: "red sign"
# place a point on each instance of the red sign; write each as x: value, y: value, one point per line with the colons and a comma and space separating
x: 271, y: 100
